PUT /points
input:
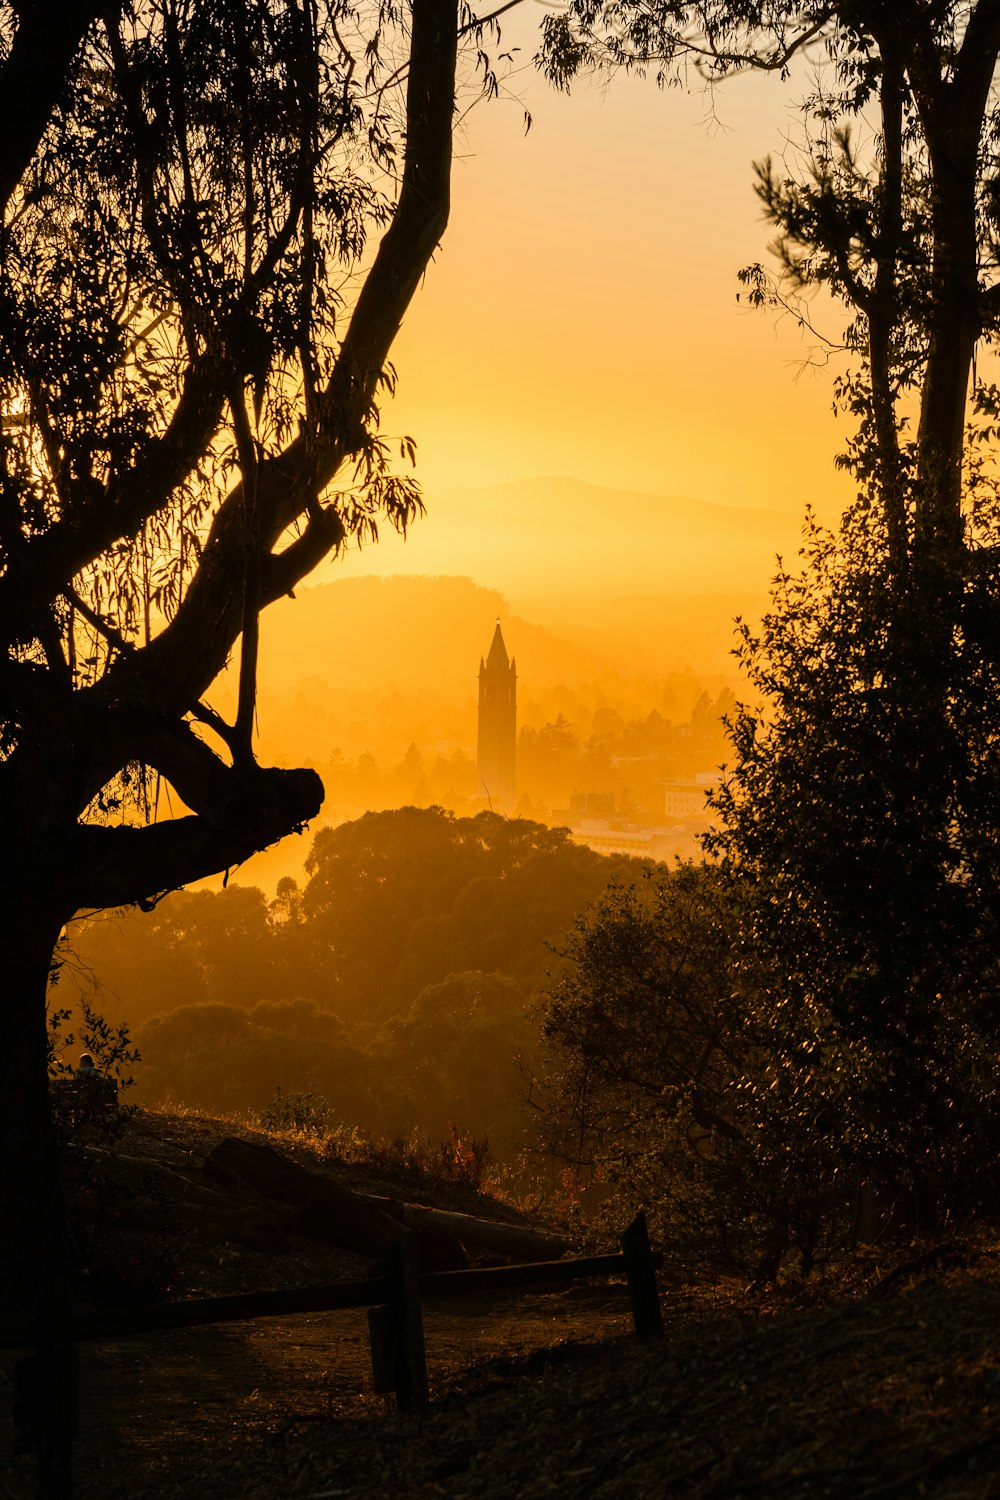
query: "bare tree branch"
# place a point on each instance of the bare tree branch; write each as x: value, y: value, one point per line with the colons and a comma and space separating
x: 124, y: 866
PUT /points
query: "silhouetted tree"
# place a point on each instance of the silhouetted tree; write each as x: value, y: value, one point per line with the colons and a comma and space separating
x: 190, y: 193
x: 398, y: 900
x: 861, y: 813
x: 859, y: 820
x: 454, y: 1058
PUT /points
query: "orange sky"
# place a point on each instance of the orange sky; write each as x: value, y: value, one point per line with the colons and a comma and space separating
x: 580, y: 320
x: 581, y: 316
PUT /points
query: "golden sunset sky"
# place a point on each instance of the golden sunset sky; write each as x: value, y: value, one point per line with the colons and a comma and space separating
x: 580, y: 322
x: 581, y: 316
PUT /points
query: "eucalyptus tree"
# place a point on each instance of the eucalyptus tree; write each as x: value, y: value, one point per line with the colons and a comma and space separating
x: 860, y: 814
x: 216, y: 213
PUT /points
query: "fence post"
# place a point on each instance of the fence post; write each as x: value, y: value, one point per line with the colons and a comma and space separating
x: 381, y: 1342
x: 642, y: 1286
x: 406, y: 1323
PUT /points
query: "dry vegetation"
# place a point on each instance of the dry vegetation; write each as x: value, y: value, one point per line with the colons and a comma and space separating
x: 880, y: 1378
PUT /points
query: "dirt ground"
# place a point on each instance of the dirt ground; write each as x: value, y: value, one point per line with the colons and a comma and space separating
x: 218, y: 1411
x: 879, y: 1379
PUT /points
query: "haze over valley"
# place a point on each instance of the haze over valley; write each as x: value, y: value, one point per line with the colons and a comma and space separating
x: 624, y: 662
x: 372, y: 678
x: 617, y: 848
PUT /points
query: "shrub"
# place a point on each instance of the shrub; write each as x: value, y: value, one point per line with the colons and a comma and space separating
x: 659, y: 1050
x: 302, y: 1111
x: 91, y: 1108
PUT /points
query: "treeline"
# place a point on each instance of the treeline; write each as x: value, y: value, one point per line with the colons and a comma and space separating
x: 630, y: 758
x: 795, y: 1047
x: 398, y: 983
x: 581, y: 747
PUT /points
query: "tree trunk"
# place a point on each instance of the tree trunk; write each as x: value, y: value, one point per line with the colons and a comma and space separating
x: 34, y: 1238
x: 516, y: 1241
x: 327, y: 1211
x: 955, y: 323
x: 36, y: 1257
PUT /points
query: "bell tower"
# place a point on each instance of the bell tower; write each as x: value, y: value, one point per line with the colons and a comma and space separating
x: 497, y: 727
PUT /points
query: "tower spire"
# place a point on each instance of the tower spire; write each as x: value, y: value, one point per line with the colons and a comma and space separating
x: 497, y: 726
x: 498, y: 651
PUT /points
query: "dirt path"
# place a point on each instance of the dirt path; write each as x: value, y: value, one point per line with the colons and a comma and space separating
x: 877, y: 1380
x: 182, y: 1414
x: 819, y: 1393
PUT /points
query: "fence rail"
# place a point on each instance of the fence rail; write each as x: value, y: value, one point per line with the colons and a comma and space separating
x: 47, y: 1390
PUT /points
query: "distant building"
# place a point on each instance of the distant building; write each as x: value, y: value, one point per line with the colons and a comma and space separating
x: 618, y: 836
x: 590, y: 805
x: 688, y: 798
x: 497, y: 744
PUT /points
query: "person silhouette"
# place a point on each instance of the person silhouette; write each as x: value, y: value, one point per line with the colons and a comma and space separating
x: 97, y: 1094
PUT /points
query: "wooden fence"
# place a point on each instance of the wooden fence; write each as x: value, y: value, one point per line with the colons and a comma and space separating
x: 46, y: 1403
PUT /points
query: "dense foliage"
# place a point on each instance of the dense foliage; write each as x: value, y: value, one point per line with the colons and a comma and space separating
x: 398, y: 983
x: 859, y: 822
x: 215, y: 214
x: 858, y: 843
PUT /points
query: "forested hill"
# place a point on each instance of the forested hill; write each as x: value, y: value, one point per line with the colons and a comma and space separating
x: 398, y: 983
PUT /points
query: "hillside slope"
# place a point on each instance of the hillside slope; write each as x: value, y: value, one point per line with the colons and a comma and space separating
x: 879, y: 1379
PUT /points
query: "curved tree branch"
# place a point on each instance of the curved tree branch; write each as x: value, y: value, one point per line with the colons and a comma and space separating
x: 194, y: 647
x: 126, y: 866
x: 33, y: 76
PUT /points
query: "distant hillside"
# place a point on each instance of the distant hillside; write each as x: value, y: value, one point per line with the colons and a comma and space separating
x: 405, y: 634
x: 557, y: 538
x: 649, y: 634
x: 377, y: 663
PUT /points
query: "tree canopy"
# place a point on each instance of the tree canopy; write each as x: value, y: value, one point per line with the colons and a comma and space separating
x: 858, y: 817
x: 194, y: 329
x: 399, y: 983
x: 215, y: 214
x: 395, y: 901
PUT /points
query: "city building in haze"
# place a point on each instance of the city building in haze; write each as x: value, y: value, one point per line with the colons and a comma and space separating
x: 686, y: 798
x: 497, y: 743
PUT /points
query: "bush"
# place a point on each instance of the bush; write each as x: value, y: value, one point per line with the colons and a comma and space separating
x: 645, y: 1050
x: 90, y: 1107
x: 661, y: 1089
x: 304, y: 1112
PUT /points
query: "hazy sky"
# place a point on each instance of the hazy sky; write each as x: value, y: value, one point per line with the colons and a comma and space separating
x: 581, y: 315
x: 581, y: 320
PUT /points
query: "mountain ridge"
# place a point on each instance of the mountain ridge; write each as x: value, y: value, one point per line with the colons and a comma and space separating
x: 561, y: 537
